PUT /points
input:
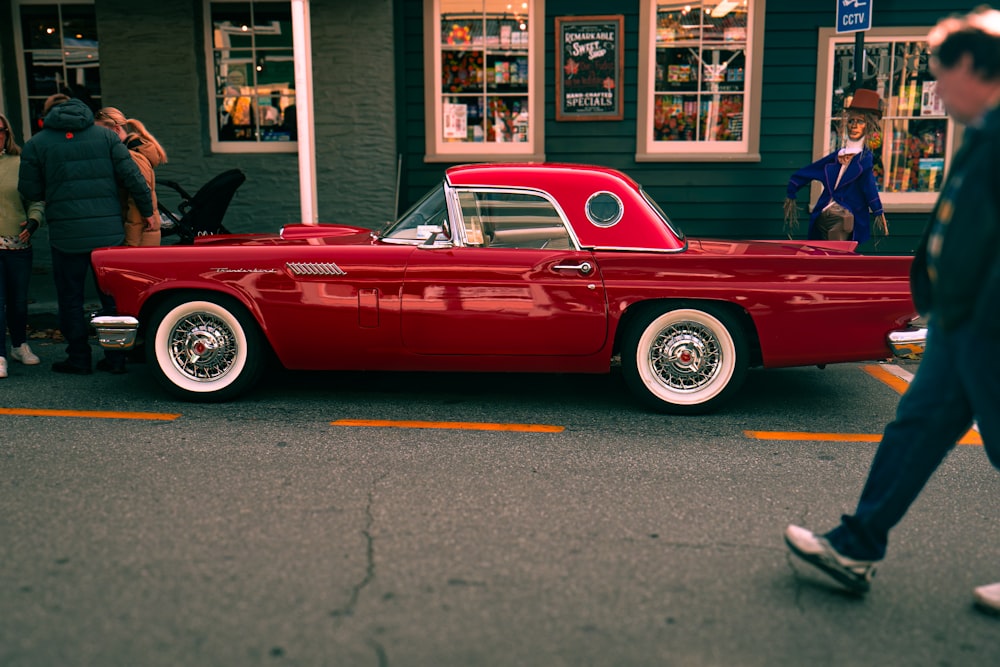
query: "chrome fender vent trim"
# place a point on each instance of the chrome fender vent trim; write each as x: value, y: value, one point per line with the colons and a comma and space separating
x: 315, y: 269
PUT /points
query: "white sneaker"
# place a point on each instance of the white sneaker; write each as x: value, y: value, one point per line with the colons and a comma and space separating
x: 24, y: 354
x: 3, y: 367
x: 988, y: 597
x: 855, y: 575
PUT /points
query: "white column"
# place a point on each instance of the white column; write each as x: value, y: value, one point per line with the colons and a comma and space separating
x: 302, y: 43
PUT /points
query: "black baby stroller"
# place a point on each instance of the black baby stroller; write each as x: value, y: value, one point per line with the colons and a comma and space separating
x: 200, y: 215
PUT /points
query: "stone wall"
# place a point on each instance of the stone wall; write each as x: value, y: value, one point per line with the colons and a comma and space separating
x: 153, y: 68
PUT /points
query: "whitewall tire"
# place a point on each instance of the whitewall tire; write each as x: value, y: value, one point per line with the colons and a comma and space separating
x: 208, y: 349
x: 685, y: 360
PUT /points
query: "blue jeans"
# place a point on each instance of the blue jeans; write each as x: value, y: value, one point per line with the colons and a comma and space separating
x: 958, y: 380
x: 15, y: 274
x: 70, y: 271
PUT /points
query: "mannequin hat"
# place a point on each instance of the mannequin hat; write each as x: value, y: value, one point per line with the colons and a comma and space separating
x: 866, y: 101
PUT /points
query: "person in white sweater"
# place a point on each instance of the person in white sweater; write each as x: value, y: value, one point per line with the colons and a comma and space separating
x: 18, y: 221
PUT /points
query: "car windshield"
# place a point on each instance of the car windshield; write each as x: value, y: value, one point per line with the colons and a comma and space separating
x: 428, y: 215
x: 659, y: 211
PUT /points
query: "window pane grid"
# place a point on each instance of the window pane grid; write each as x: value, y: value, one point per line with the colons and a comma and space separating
x: 61, y: 55
x: 699, y: 75
x: 914, y: 139
x: 484, y: 62
x: 254, y: 70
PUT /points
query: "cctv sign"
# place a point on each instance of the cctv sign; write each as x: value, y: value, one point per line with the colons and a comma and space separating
x: 854, y: 15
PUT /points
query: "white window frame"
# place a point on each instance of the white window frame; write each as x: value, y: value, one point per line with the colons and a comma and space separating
x: 438, y: 150
x: 745, y: 150
x: 217, y: 145
x: 903, y: 202
x: 15, y: 8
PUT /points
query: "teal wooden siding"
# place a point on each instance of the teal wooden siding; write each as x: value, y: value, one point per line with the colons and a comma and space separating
x: 733, y: 200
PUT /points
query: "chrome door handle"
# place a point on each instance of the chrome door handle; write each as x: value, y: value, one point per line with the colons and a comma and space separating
x: 583, y: 268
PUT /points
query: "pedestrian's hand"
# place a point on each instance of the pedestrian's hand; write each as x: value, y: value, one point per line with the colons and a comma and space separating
x: 152, y: 223
x: 30, y: 227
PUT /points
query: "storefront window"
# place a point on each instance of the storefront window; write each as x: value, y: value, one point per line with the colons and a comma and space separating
x: 60, y: 55
x: 253, y: 76
x: 916, y: 136
x: 484, y: 92
x: 699, y: 75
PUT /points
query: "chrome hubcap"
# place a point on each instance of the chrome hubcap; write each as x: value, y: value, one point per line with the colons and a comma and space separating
x: 202, y: 347
x: 685, y: 356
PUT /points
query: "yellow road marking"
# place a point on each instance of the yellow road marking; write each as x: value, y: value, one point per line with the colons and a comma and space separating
x: 466, y: 426
x: 89, y: 414
x: 901, y: 385
x: 970, y: 438
x: 879, y: 373
x: 898, y: 383
x: 803, y: 435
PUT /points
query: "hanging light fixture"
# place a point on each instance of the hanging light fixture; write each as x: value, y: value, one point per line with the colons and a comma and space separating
x: 724, y: 8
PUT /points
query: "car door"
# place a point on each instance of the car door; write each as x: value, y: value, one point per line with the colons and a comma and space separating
x: 513, y: 283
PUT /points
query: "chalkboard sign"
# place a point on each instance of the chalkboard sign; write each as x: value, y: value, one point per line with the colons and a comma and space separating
x: 589, y: 67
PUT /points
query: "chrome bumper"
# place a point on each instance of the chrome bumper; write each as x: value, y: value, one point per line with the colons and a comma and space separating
x: 115, y: 332
x: 908, y: 343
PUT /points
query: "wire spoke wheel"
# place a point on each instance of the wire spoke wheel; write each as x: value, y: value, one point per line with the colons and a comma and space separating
x: 684, y: 360
x: 685, y: 356
x: 203, y: 347
x: 206, y: 349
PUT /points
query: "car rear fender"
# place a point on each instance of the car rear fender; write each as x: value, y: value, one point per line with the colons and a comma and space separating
x: 639, y: 309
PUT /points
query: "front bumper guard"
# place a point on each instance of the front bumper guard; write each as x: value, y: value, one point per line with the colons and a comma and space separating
x: 908, y: 343
x: 116, y: 332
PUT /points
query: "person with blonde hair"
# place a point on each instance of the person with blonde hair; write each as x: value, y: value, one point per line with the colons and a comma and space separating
x: 148, y: 154
x: 19, y: 219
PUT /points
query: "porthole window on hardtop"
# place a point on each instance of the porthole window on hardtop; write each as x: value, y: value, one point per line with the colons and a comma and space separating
x: 604, y: 209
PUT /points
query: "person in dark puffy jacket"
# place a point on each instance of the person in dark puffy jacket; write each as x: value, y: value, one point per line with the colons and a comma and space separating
x: 76, y: 167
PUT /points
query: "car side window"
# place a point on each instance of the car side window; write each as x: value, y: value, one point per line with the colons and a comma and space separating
x: 497, y: 219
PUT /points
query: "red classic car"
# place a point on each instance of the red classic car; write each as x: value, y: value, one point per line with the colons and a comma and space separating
x: 507, y: 267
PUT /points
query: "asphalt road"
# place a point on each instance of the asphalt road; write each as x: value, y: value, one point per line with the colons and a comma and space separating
x: 265, y: 532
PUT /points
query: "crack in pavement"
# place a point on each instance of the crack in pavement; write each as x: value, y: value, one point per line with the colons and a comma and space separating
x: 348, y: 609
x: 380, y: 655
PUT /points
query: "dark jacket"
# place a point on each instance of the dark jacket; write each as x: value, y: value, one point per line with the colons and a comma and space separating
x: 857, y: 191
x: 75, y: 167
x: 967, y: 288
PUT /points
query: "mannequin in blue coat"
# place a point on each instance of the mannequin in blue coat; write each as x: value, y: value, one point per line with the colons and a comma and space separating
x: 849, y: 205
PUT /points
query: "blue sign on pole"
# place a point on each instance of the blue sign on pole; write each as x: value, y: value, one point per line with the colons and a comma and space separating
x: 854, y: 15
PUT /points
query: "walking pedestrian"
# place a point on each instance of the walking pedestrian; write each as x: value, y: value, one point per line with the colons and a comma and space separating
x: 148, y: 155
x: 18, y: 221
x: 955, y: 280
x: 76, y: 168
